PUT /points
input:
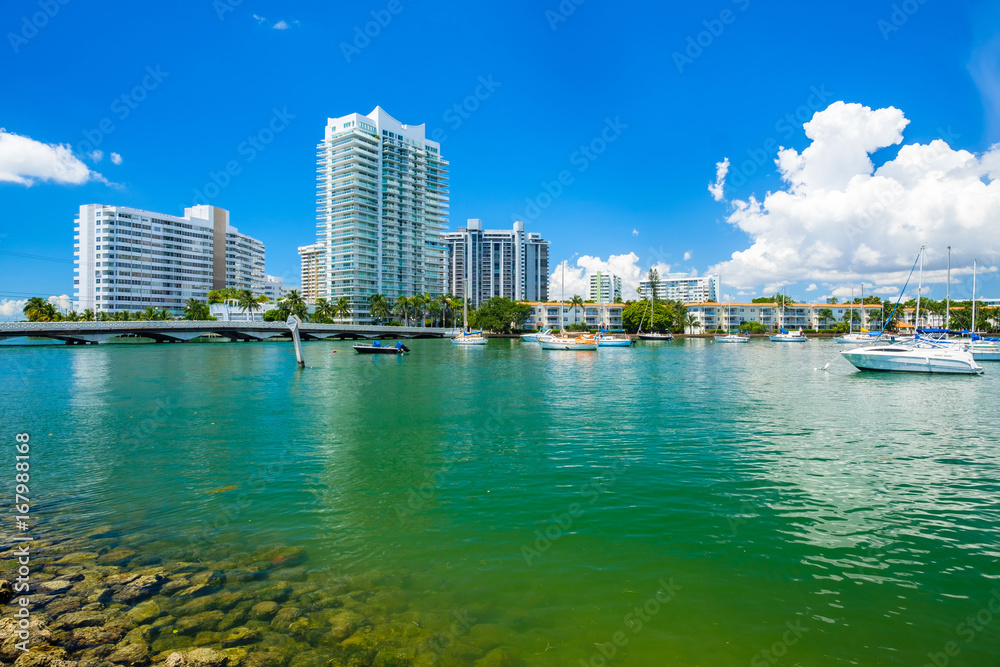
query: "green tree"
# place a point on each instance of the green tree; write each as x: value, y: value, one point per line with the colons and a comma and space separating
x: 323, y: 312
x: 824, y: 315
x: 293, y: 304
x: 577, y: 302
x: 247, y: 302
x: 342, y: 308
x: 500, y: 315
x: 692, y: 322
x: 378, y: 307
x: 753, y: 328
x: 402, y: 308
x: 88, y: 315
x: 37, y: 309
x: 195, y: 309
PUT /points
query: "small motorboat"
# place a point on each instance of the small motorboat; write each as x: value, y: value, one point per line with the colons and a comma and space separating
x: 469, y: 338
x: 615, y: 338
x: 789, y: 337
x: 655, y: 336
x: 913, y: 359
x: 378, y: 348
x: 533, y: 337
x: 733, y: 337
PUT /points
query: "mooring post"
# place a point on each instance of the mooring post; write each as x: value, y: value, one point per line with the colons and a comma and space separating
x: 294, y: 323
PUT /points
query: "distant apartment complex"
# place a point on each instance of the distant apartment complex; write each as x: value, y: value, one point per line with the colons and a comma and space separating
x: 710, y: 315
x: 605, y: 288
x: 313, y: 259
x: 682, y: 287
x: 382, y: 202
x: 128, y: 259
x: 561, y: 315
x: 274, y: 287
x: 496, y: 262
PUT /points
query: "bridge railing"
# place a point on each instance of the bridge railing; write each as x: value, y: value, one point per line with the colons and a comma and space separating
x: 27, y: 328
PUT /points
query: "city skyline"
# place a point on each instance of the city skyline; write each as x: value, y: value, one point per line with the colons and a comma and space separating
x: 556, y: 145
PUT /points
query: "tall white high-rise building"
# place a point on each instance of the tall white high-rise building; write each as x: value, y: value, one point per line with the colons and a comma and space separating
x: 682, y: 287
x: 605, y: 288
x: 382, y: 195
x: 128, y: 259
x: 497, y: 262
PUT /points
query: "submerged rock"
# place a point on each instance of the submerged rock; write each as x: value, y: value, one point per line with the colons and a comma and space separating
x: 208, y: 620
x: 130, y: 654
x: 79, y: 619
x: 145, y: 612
x: 142, y: 587
x: 264, y: 610
x: 240, y: 636
x: 498, y: 657
x: 6, y: 591
x: 54, y: 586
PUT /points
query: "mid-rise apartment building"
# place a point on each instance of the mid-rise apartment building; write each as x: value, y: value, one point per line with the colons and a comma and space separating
x: 683, y: 287
x: 605, y: 288
x: 382, y: 203
x: 128, y: 259
x: 313, y: 270
x: 496, y: 262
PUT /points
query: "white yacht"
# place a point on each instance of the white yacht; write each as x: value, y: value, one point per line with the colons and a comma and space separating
x: 616, y: 338
x: 913, y: 359
x: 469, y: 338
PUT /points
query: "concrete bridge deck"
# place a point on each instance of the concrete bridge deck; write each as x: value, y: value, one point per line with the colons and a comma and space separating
x: 179, y: 331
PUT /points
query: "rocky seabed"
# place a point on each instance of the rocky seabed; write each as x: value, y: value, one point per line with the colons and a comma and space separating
x: 97, y: 602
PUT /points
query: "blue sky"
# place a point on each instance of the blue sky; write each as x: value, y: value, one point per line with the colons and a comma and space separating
x: 683, y: 87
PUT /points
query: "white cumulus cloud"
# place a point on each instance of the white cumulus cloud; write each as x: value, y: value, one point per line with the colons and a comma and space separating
x: 25, y: 161
x: 718, y: 188
x: 116, y: 158
x: 577, y: 278
x: 280, y: 25
x: 12, y: 309
x: 838, y: 220
x: 687, y: 255
x: 97, y: 156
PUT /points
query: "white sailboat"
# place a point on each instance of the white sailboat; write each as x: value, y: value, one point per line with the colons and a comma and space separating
x: 862, y: 337
x: 920, y: 356
x: 733, y: 336
x: 467, y: 337
x: 581, y: 342
x: 981, y: 349
x: 533, y: 337
x: 652, y: 335
x: 786, y: 336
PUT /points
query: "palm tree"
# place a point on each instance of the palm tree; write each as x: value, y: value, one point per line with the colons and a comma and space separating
x: 577, y: 300
x: 447, y: 301
x: 247, y: 301
x: 457, y: 306
x: 417, y: 303
x: 692, y: 322
x: 195, y: 309
x: 378, y: 307
x: 88, y: 315
x: 824, y: 315
x: 434, y: 308
x: 402, y: 308
x: 293, y: 304
x: 72, y: 316
x: 324, y: 311
x: 342, y: 308
x: 35, y: 309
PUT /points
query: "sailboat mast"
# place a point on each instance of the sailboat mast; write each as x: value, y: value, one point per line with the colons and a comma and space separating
x: 920, y: 288
x: 974, y: 263
x: 562, y: 298
x: 947, y: 295
x: 851, y: 313
x: 862, y: 306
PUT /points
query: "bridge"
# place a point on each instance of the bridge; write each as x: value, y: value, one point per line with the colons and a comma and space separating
x: 181, y: 331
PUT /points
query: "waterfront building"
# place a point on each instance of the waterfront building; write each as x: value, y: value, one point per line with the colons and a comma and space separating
x: 382, y: 202
x: 128, y: 259
x: 548, y: 314
x: 683, y: 287
x: 496, y: 262
x: 605, y: 288
x: 313, y: 259
x: 274, y: 287
x: 711, y: 315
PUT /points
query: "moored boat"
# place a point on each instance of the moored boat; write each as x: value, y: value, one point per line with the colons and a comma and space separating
x: 533, y: 337
x: 913, y: 359
x: 563, y: 342
x: 378, y: 348
x: 655, y: 336
x: 469, y: 338
x: 733, y: 337
x: 789, y: 337
x: 617, y: 338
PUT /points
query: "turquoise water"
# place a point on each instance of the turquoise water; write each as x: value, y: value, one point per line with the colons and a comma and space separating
x: 825, y: 517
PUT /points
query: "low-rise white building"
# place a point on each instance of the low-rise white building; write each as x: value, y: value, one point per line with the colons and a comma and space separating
x: 548, y: 315
x: 711, y: 315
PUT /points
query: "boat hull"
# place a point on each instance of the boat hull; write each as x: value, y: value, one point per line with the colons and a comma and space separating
x: 614, y: 343
x: 985, y: 355
x: 655, y: 337
x: 368, y: 349
x: 732, y: 339
x: 779, y: 338
x: 469, y: 340
x: 904, y: 360
x: 556, y: 345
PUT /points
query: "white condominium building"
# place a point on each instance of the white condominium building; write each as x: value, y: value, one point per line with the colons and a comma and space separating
x: 382, y: 196
x: 682, y: 287
x: 605, y: 288
x: 128, y: 259
x: 497, y: 262
x: 313, y: 270
x: 274, y: 287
